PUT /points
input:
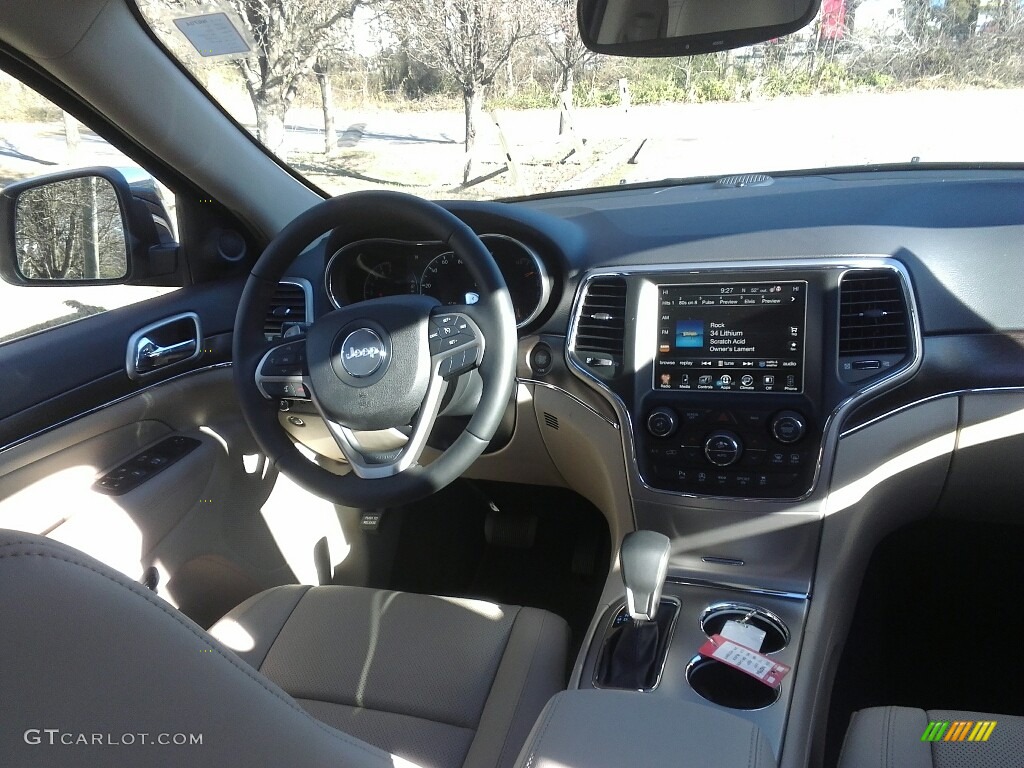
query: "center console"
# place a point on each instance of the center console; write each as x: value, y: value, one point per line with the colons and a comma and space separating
x: 729, y: 381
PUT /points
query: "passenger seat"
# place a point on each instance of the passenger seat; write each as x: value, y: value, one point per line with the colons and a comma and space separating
x: 895, y: 737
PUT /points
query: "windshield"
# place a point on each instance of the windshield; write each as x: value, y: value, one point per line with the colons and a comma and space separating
x: 488, y: 99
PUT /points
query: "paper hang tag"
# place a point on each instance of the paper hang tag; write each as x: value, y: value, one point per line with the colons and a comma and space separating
x: 744, y: 659
x: 213, y: 34
x: 745, y: 634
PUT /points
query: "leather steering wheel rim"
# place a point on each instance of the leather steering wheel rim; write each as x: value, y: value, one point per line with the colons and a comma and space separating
x: 492, y: 314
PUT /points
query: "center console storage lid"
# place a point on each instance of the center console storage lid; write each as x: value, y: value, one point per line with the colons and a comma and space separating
x: 611, y: 729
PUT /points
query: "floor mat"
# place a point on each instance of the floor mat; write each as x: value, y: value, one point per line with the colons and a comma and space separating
x: 936, y: 625
x: 545, y: 547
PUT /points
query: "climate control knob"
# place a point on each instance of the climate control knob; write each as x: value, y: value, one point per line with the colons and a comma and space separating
x: 788, y: 427
x: 662, y: 422
x: 723, y: 448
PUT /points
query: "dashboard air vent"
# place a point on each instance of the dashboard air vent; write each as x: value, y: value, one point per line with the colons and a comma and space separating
x: 601, y: 326
x: 872, y: 314
x: 745, y: 180
x: 287, y: 306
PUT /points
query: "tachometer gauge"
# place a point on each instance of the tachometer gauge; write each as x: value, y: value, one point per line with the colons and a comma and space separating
x: 370, y: 269
x: 447, y: 280
x: 383, y: 279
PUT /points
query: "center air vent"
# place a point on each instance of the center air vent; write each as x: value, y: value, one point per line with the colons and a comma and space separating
x: 287, y: 306
x: 601, y: 324
x: 873, y: 313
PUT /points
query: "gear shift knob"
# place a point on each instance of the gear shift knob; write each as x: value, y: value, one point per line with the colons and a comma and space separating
x: 643, y: 560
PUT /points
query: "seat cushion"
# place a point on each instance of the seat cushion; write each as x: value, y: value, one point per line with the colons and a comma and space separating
x: 442, y: 682
x: 893, y: 737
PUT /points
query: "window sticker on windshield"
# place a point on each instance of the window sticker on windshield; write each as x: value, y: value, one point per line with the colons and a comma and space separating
x: 213, y: 34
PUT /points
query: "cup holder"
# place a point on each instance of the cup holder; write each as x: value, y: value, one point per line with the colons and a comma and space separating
x: 776, y: 632
x: 721, y: 684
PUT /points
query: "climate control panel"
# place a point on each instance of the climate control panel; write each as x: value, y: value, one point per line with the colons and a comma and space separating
x: 744, y: 452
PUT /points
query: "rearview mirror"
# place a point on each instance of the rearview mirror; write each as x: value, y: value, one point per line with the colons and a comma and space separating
x: 687, y: 27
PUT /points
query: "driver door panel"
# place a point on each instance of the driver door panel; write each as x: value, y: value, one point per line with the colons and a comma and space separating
x: 71, y: 414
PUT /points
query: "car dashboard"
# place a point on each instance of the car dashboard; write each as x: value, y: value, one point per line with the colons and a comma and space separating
x: 774, y: 377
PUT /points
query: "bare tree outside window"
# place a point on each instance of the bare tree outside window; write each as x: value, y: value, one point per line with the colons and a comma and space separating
x: 468, y: 40
x: 565, y: 46
x: 290, y: 36
x: 71, y: 230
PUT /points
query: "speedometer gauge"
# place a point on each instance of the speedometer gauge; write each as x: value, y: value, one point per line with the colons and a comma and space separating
x: 527, y: 280
x: 447, y: 280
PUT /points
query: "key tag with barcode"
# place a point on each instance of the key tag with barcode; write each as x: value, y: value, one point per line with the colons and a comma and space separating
x: 746, y: 660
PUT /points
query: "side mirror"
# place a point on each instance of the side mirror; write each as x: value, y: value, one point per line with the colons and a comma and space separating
x: 82, y: 227
x: 686, y: 27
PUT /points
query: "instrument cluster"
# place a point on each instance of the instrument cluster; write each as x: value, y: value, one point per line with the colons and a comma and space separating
x: 372, y: 268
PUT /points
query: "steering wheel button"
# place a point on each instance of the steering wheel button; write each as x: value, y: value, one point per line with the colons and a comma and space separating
x: 450, y: 365
x: 463, y: 361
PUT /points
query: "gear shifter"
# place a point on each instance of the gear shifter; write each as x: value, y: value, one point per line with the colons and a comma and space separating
x: 644, y: 563
x: 636, y: 643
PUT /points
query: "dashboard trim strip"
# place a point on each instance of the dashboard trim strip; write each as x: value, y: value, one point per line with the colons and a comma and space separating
x: 711, y: 583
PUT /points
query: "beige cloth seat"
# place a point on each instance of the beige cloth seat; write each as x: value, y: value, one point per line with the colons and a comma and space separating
x: 319, y: 675
x: 891, y: 737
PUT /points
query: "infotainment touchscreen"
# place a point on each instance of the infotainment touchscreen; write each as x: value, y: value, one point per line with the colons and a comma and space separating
x: 731, y: 337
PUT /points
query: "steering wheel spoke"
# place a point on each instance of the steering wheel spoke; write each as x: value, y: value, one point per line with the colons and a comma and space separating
x: 283, y: 372
x: 456, y: 342
x: 376, y: 465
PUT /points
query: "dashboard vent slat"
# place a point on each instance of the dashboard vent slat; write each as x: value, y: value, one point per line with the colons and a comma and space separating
x: 601, y: 325
x: 745, y: 180
x: 872, y: 313
x: 288, y: 305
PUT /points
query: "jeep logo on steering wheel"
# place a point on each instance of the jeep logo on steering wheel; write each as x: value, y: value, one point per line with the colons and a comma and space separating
x: 362, y: 352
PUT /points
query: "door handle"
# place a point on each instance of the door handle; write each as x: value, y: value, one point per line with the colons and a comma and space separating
x: 164, y: 344
x: 149, y: 355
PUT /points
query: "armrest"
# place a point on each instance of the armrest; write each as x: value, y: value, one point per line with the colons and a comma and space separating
x: 610, y: 729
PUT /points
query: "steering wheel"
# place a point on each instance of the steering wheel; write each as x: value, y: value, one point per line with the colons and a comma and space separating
x: 378, y: 364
